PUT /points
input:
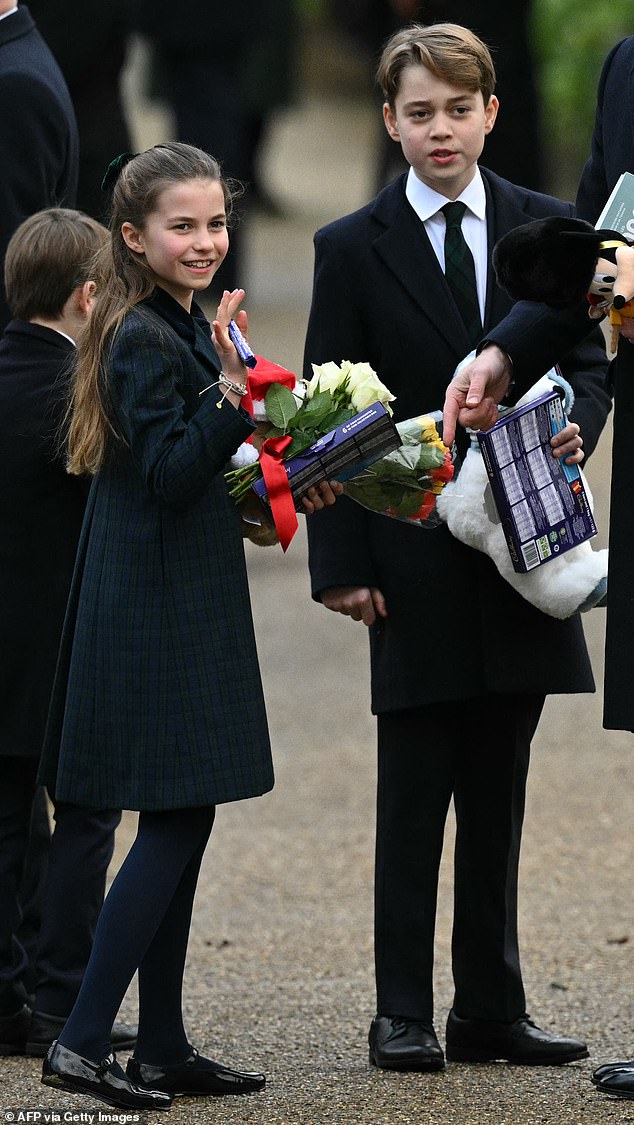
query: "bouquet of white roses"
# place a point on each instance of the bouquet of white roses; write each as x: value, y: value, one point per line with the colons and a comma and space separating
x: 293, y: 414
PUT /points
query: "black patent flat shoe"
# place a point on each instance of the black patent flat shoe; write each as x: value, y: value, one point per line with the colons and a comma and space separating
x: 105, y: 1080
x: 618, y: 1083
x: 397, y: 1043
x: 196, y: 1075
x: 608, y: 1068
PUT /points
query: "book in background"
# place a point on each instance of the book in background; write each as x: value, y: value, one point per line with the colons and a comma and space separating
x: 618, y: 213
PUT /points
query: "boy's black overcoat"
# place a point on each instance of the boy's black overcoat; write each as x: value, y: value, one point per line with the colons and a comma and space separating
x: 157, y: 701
x: 41, y: 510
x: 455, y: 628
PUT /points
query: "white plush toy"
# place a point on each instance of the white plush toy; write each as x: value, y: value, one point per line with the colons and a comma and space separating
x: 571, y: 583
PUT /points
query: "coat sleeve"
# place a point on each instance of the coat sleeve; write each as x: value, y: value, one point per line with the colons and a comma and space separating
x: 338, y: 537
x: 176, y: 456
x: 594, y: 188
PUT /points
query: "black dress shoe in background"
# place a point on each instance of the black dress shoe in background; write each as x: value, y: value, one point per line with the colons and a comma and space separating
x: 14, y: 1030
x: 105, y: 1080
x: 398, y: 1043
x: 618, y: 1083
x: 196, y: 1075
x: 520, y: 1042
x: 45, y: 1029
x: 607, y: 1068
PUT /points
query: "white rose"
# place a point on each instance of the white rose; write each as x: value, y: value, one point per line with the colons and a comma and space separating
x: 326, y: 377
x: 365, y: 387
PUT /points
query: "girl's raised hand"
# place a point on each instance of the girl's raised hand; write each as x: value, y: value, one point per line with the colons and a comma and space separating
x: 229, y: 309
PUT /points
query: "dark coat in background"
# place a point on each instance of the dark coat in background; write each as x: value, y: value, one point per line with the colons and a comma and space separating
x: 550, y: 331
x: 89, y: 40
x: 455, y: 629
x: 38, y: 135
x: 41, y: 511
x: 157, y: 701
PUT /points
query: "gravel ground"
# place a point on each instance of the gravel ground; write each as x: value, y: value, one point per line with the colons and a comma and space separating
x: 279, y: 973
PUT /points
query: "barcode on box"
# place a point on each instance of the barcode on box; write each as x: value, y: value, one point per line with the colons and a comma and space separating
x: 530, y: 554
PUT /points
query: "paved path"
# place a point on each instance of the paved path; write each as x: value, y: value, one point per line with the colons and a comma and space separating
x: 280, y: 964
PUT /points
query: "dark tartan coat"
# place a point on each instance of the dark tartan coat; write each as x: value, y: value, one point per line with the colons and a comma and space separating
x: 157, y: 702
x: 455, y: 629
x: 551, y: 331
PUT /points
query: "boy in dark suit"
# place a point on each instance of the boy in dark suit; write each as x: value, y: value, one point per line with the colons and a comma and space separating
x: 406, y: 285
x: 50, y: 292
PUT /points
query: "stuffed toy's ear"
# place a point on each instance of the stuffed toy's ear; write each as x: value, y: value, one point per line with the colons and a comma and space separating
x: 540, y: 261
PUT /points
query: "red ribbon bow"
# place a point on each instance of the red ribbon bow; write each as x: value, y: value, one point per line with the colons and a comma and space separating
x: 278, y: 488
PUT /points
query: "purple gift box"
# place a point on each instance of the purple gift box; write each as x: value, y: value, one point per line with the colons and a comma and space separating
x: 340, y: 454
x: 541, y: 502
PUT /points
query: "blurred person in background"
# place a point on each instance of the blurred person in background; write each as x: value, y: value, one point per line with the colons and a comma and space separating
x: 38, y: 132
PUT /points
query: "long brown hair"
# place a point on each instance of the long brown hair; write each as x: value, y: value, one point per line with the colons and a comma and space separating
x: 123, y: 279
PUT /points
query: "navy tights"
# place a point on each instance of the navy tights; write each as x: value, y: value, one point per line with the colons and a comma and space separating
x: 144, y: 926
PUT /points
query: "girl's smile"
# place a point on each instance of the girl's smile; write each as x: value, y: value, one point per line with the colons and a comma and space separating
x: 185, y: 238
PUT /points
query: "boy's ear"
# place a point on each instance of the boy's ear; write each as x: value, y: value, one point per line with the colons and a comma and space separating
x: 490, y: 113
x: 132, y: 238
x: 389, y: 118
x: 86, y: 297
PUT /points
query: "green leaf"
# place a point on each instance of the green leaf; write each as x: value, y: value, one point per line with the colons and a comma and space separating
x: 281, y: 406
x: 313, y: 412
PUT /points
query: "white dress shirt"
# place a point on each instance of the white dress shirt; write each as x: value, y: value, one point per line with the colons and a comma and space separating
x: 427, y: 204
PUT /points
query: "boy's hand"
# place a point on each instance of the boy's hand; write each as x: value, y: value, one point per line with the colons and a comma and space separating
x: 473, y: 395
x: 361, y: 603
x: 567, y: 444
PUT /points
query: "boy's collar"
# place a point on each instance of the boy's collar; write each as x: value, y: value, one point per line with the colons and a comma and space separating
x: 427, y: 202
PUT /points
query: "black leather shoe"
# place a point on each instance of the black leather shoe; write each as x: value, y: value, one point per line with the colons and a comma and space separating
x: 105, y: 1080
x: 619, y: 1082
x: 45, y: 1029
x: 14, y: 1030
x: 196, y: 1075
x: 607, y: 1068
x: 397, y: 1043
x: 520, y: 1042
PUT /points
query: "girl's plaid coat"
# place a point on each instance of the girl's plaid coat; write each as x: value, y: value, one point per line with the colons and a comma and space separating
x: 157, y: 702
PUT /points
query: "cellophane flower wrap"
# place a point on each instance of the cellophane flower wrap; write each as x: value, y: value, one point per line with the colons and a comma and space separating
x: 296, y: 413
x: 406, y: 483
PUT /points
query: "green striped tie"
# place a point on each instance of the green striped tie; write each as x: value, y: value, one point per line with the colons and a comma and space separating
x: 460, y: 271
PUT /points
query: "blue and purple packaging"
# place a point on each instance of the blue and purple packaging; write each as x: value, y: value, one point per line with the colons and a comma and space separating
x: 541, y: 502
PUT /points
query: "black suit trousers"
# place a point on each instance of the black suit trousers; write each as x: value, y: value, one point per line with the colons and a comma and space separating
x: 476, y: 751
x: 71, y: 894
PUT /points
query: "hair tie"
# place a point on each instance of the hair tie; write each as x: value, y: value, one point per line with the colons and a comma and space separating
x: 115, y: 168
